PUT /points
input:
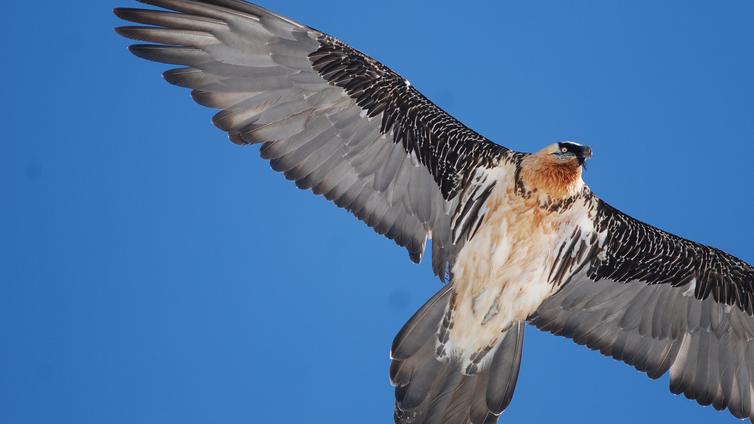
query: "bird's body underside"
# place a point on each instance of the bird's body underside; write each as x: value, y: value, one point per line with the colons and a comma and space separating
x: 517, y: 237
x: 501, y: 274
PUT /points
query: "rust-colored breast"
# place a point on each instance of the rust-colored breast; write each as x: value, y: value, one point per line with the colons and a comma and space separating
x: 554, y: 178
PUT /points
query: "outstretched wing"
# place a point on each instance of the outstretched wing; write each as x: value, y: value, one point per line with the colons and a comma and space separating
x: 660, y: 302
x: 335, y: 121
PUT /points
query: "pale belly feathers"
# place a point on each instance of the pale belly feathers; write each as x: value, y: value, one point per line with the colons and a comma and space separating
x: 500, y: 276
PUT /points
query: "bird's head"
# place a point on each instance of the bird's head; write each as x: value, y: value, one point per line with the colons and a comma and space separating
x: 556, y: 169
x: 568, y: 153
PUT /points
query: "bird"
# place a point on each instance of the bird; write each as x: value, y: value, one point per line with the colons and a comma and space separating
x: 516, y: 237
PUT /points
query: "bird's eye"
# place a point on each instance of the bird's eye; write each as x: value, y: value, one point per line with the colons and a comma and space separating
x: 563, y: 150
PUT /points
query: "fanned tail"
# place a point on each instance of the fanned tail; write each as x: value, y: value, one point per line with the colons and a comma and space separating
x: 432, y: 390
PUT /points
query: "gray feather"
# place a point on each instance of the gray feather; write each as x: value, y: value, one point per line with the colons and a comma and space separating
x: 656, y: 329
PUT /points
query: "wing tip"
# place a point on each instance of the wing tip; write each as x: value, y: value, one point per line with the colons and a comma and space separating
x: 128, y: 31
x: 120, y: 12
x: 144, y: 51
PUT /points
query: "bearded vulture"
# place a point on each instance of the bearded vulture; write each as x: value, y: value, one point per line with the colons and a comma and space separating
x: 517, y: 237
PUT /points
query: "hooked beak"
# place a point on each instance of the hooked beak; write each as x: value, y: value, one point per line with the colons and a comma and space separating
x: 583, y: 154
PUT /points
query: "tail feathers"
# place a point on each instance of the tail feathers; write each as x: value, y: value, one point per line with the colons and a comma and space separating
x: 437, y: 391
x: 503, y: 370
x: 422, y: 327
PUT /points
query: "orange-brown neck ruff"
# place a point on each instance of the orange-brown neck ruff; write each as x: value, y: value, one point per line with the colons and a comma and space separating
x: 547, y: 175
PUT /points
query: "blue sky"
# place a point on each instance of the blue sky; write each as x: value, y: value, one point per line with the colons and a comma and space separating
x: 152, y: 272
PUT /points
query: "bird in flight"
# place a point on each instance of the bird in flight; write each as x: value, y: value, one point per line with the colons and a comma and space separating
x: 517, y: 237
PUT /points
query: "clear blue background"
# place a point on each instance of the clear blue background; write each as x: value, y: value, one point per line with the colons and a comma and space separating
x: 152, y: 272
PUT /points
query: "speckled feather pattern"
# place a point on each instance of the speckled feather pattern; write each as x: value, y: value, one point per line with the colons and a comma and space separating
x: 637, y: 251
x: 449, y: 149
